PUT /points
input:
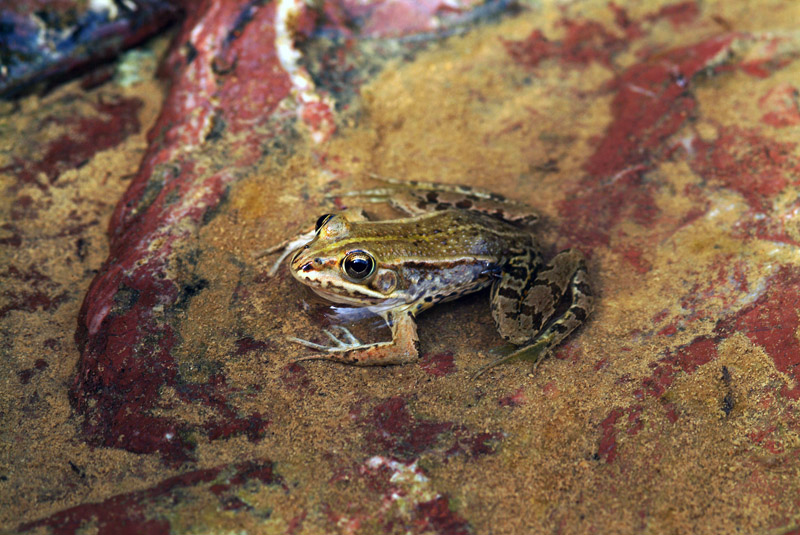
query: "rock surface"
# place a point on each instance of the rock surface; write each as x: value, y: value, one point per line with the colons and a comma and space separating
x: 659, y: 139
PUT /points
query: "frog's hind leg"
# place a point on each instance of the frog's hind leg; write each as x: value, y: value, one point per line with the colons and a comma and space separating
x: 414, y: 197
x: 542, y: 291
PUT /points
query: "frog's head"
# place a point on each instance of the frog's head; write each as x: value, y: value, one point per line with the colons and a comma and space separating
x: 338, y: 264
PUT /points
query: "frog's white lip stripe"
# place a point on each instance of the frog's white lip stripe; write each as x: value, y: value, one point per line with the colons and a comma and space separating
x: 358, y: 293
x: 357, y: 300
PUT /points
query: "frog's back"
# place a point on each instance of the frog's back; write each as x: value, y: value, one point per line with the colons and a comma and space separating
x: 447, y: 234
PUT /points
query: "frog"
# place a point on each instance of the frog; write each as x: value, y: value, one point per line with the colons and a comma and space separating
x: 452, y: 240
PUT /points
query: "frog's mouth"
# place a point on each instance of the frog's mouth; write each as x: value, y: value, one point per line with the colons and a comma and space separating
x: 357, y: 300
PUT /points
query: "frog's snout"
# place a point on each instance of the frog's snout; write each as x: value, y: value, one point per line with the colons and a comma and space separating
x: 302, y: 263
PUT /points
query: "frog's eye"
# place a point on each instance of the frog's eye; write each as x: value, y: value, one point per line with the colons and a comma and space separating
x: 322, y: 220
x: 358, y: 265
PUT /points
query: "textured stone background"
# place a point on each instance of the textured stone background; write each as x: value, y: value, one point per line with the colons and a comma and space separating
x: 147, y: 384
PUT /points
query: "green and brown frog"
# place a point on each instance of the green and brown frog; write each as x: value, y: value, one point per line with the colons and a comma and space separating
x: 454, y: 241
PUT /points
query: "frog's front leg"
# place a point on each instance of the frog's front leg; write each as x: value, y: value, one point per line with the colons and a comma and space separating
x: 286, y: 248
x: 402, y: 349
x: 529, y: 321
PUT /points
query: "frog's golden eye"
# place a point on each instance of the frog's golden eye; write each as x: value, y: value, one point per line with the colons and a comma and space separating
x: 358, y: 265
x: 322, y: 220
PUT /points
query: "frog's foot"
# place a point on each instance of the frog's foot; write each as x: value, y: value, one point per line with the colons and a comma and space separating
x: 350, y: 342
x: 349, y: 350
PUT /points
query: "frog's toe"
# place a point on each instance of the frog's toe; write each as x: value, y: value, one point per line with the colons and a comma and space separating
x: 503, y: 350
x: 534, y: 352
x: 309, y: 357
x: 351, y: 340
x: 345, y: 342
x: 308, y: 343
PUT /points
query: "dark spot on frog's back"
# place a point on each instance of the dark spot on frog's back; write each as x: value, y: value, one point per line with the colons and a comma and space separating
x: 432, y: 196
x: 516, y: 272
x: 508, y: 293
x: 585, y: 289
x: 464, y: 204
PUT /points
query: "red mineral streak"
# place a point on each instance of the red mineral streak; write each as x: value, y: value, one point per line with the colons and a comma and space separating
x: 379, y: 475
x: 685, y: 359
x: 761, y: 438
x: 319, y: 117
x: 633, y: 29
x: 438, y: 364
x: 295, y: 377
x: 725, y: 282
x: 132, y: 513
x: 247, y: 344
x: 126, y: 345
x: 772, y: 322
x: 607, y: 446
x: 652, y: 102
x: 399, y: 17
x: 770, y: 58
x: 635, y: 422
x: 778, y: 227
x: 678, y: 14
x: 40, y: 292
x: 435, y: 516
x: 514, y: 400
x: 584, y: 42
x: 745, y: 161
x: 392, y: 429
x: 635, y: 257
x: 233, y: 32
x: 780, y: 106
x: 671, y: 412
x: 85, y: 136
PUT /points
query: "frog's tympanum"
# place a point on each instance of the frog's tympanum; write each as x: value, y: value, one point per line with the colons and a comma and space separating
x: 456, y: 240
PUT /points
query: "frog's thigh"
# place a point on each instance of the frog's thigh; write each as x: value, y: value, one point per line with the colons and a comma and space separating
x: 540, y: 298
x: 418, y: 202
x: 403, y: 348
